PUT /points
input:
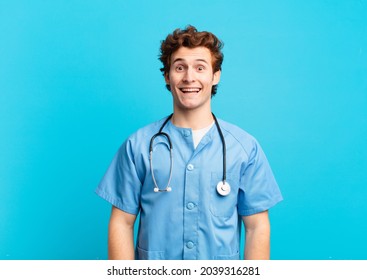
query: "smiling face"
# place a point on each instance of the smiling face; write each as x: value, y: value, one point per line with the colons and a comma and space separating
x: 191, y: 78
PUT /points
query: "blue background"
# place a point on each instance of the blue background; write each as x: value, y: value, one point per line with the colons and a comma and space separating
x: 78, y: 77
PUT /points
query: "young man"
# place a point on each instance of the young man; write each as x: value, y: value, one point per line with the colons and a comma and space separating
x: 191, y: 199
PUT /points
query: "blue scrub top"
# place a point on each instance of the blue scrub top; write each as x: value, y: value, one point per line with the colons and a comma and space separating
x: 192, y: 221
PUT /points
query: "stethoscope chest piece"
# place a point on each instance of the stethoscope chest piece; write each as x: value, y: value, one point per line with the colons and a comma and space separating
x: 223, y: 188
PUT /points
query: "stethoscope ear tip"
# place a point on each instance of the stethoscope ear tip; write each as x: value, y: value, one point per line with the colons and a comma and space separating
x: 168, y: 189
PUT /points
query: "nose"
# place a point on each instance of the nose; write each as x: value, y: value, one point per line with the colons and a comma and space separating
x: 189, y: 76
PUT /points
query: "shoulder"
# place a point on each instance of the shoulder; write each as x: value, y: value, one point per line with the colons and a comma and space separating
x: 138, y: 142
x: 142, y: 136
x: 239, y: 136
x: 236, y: 132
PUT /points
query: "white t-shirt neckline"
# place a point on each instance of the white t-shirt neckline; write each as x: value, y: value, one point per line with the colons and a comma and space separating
x: 198, y: 134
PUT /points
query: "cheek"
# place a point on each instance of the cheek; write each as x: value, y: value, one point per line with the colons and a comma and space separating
x: 208, y: 80
x: 174, y: 79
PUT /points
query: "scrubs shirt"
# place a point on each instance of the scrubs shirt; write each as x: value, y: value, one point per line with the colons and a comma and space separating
x: 192, y: 221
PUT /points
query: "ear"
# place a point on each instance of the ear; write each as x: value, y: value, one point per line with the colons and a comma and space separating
x: 216, y: 77
x: 166, y: 78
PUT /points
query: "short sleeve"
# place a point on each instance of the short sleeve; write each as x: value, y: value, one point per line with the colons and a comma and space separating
x: 259, y: 190
x: 120, y: 185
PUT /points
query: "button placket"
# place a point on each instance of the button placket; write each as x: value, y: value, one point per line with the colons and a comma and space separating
x: 191, y: 213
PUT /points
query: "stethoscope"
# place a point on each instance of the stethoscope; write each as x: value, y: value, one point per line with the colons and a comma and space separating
x: 223, y: 188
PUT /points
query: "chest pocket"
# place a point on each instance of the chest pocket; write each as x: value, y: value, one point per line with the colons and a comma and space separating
x: 223, y: 206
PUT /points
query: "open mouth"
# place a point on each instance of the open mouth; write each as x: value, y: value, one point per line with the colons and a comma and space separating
x: 190, y: 90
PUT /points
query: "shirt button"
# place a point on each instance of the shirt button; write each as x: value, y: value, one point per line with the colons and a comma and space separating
x: 187, y: 133
x: 190, y: 245
x: 190, y: 205
x: 190, y: 167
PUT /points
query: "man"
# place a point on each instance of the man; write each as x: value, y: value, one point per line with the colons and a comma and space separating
x: 191, y: 200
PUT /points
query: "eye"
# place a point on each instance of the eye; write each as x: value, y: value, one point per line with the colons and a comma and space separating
x: 201, y: 68
x: 179, y: 68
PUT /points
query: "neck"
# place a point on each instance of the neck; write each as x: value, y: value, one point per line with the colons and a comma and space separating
x: 192, y: 119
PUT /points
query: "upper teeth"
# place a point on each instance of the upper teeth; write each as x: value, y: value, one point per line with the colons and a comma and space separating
x: 190, y: 89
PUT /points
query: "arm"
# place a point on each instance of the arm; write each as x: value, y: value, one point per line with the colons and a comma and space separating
x: 257, y: 245
x: 121, y: 235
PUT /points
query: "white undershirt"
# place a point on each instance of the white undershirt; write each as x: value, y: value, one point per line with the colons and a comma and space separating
x: 197, y: 135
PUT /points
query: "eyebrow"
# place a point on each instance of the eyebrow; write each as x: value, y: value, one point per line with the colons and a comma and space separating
x: 181, y: 59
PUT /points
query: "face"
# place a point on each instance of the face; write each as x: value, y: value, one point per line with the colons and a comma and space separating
x: 191, y: 78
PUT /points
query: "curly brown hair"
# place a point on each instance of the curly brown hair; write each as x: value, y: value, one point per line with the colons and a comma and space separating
x: 191, y: 38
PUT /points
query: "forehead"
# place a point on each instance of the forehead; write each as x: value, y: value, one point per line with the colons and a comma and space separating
x: 190, y: 55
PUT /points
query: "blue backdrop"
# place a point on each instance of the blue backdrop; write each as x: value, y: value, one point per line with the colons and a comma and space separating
x: 77, y: 77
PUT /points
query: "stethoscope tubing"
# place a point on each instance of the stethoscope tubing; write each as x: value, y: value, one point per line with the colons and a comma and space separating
x: 156, y: 188
x: 161, y: 133
x: 224, y: 149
